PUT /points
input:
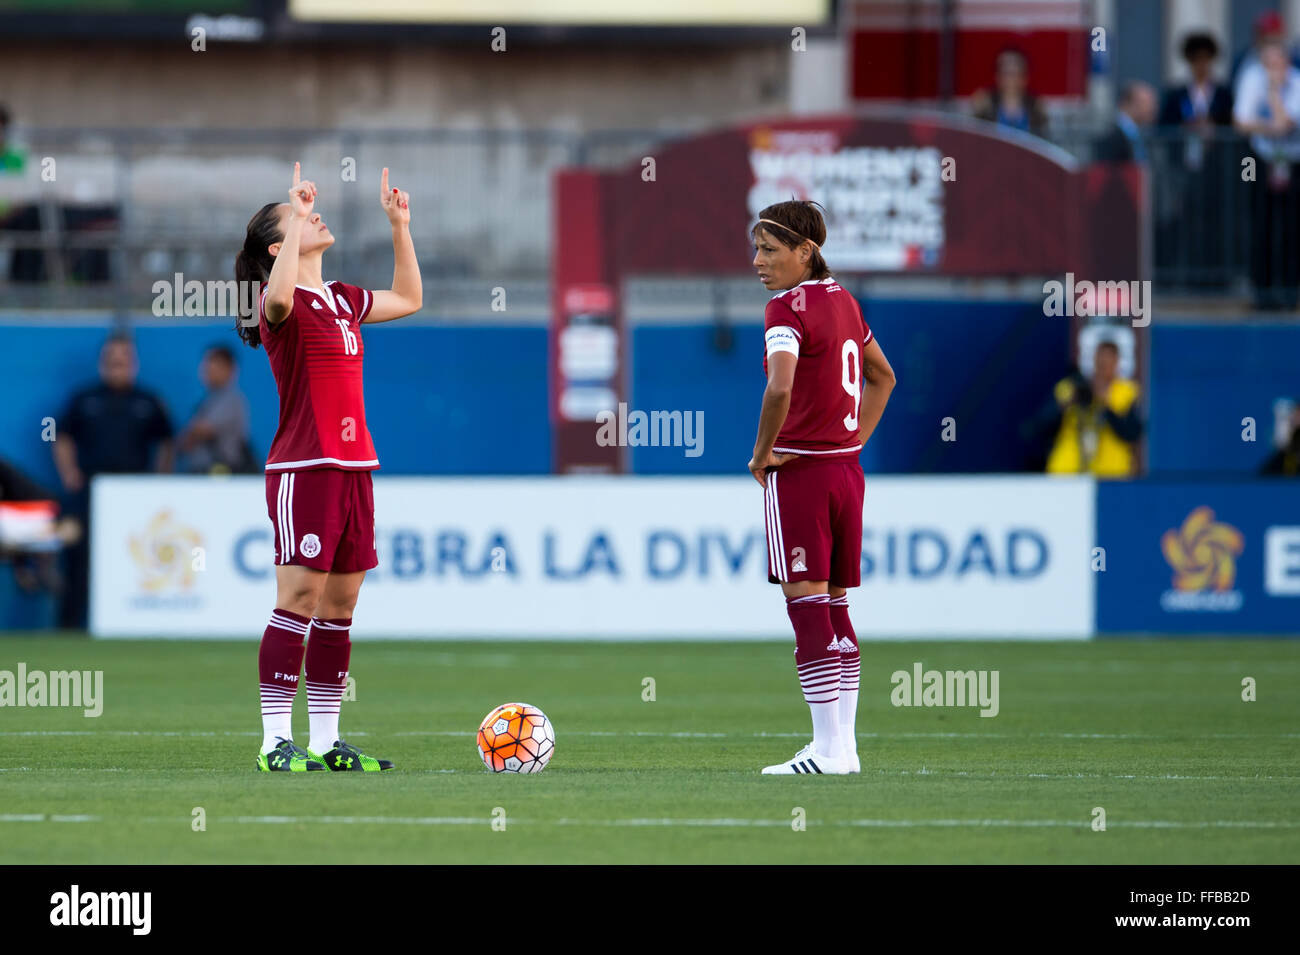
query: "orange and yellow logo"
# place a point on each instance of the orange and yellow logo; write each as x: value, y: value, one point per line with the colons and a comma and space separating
x: 165, y: 553
x: 1203, y: 553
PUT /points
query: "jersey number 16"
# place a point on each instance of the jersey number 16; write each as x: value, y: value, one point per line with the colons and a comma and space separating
x: 349, y: 337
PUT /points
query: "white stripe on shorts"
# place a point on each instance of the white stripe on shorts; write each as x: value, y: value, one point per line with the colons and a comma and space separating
x: 293, y: 545
x: 284, y: 511
x: 775, y: 539
x: 773, y: 560
x: 279, y: 517
x: 784, y: 573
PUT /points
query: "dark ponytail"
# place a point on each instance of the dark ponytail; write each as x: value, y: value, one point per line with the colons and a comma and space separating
x: 798, y: 220
x: 253, y: 264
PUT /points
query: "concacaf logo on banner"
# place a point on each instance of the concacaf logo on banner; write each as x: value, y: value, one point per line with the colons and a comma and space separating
x: 601, y: 558
x: 1199, y: 558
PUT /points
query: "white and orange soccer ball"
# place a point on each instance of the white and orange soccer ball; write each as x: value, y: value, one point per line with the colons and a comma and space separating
x: 516, y: 738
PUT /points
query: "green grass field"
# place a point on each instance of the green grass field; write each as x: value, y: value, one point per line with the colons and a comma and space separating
x: 1154, y: 732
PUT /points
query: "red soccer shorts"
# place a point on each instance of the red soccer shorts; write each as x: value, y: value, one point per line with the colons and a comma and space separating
x: 814, y: 520
x: 323, y: 519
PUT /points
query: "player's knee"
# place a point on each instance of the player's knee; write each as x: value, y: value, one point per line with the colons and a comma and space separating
x: 334, y: 610
x: 299, y: 600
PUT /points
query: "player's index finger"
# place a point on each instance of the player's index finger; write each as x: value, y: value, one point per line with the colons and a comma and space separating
x: 383, y: 182
x: 297, y: 172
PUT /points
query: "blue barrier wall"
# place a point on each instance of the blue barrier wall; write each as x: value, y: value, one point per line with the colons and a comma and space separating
x: 439, y: 400
x: 988, y: 365
x: 473, y: 400
x: 1204, y: 380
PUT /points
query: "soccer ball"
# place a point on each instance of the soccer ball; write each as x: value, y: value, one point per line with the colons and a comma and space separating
x: 516, y: 738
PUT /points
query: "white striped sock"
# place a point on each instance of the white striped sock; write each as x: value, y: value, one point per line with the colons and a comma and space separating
x: 820, y: 680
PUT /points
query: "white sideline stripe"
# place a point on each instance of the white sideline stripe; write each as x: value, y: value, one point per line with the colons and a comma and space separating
x: 360, y: 820
x: 935, y: 823
x: 725, y: 823
x: 1170, y: 777
x: 689, y: 735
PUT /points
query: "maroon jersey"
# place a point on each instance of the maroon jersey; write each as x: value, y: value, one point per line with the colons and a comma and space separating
x: 822, y: 325
x: 316, y: 355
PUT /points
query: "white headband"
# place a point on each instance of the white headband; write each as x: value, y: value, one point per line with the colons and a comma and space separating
x: 792, y: 232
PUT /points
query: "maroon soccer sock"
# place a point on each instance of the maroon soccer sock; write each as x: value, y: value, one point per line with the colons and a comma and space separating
x: 279, y: 662
x: 850, y: 669
x: 329, y: 650
x: 818, y: 666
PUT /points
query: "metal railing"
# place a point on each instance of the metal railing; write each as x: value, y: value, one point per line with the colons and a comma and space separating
x: 96, y: 217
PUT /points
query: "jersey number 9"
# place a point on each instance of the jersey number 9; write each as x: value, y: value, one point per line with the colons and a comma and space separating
x: 851, y: 379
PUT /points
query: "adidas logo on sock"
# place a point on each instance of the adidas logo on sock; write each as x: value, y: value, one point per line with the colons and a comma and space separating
x: 835, y: 644
x: 843, y: 646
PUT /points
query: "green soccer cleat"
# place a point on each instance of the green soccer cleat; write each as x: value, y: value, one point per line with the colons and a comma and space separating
x: 288, y: 758
x: 346, y: 758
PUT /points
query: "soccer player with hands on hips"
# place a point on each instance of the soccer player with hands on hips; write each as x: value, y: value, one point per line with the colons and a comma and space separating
x: 318, y: 488
x: 827, y: 386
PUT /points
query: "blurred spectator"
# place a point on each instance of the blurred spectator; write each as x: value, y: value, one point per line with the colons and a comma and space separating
x: 11, y: 158
x: 1267, y: 109
x: 11, y: 216
x: 31, y: 534
x: 1136, y: 110
x: 113, y: 427
x: 1190, y: 196
x: 1268, y: 27
x: 1099, y: 420
x: 216, y: 439
x: 1203, y: 102
x: 1010, y: 103
x: 1286, y: 460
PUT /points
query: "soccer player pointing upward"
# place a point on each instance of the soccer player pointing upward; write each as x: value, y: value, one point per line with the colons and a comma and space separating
x: 318, y: 489
x: 827, y: 385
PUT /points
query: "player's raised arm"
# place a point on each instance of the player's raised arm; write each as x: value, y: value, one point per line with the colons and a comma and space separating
x: 284, y: 273
x: 407, y: 294
x: 877, y: 383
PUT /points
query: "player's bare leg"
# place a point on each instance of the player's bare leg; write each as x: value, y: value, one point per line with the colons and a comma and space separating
x: 820, y: 682
x: 850, y: 674
x: 329, y: 652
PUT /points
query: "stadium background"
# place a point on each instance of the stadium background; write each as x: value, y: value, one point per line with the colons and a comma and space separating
x: 163, y: 151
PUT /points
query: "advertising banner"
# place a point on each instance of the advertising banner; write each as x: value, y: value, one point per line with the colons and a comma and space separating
x: 601, y: 557
x: 1219, y: 558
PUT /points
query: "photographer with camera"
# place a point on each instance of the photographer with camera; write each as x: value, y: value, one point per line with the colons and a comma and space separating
x: 1099, y: 422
